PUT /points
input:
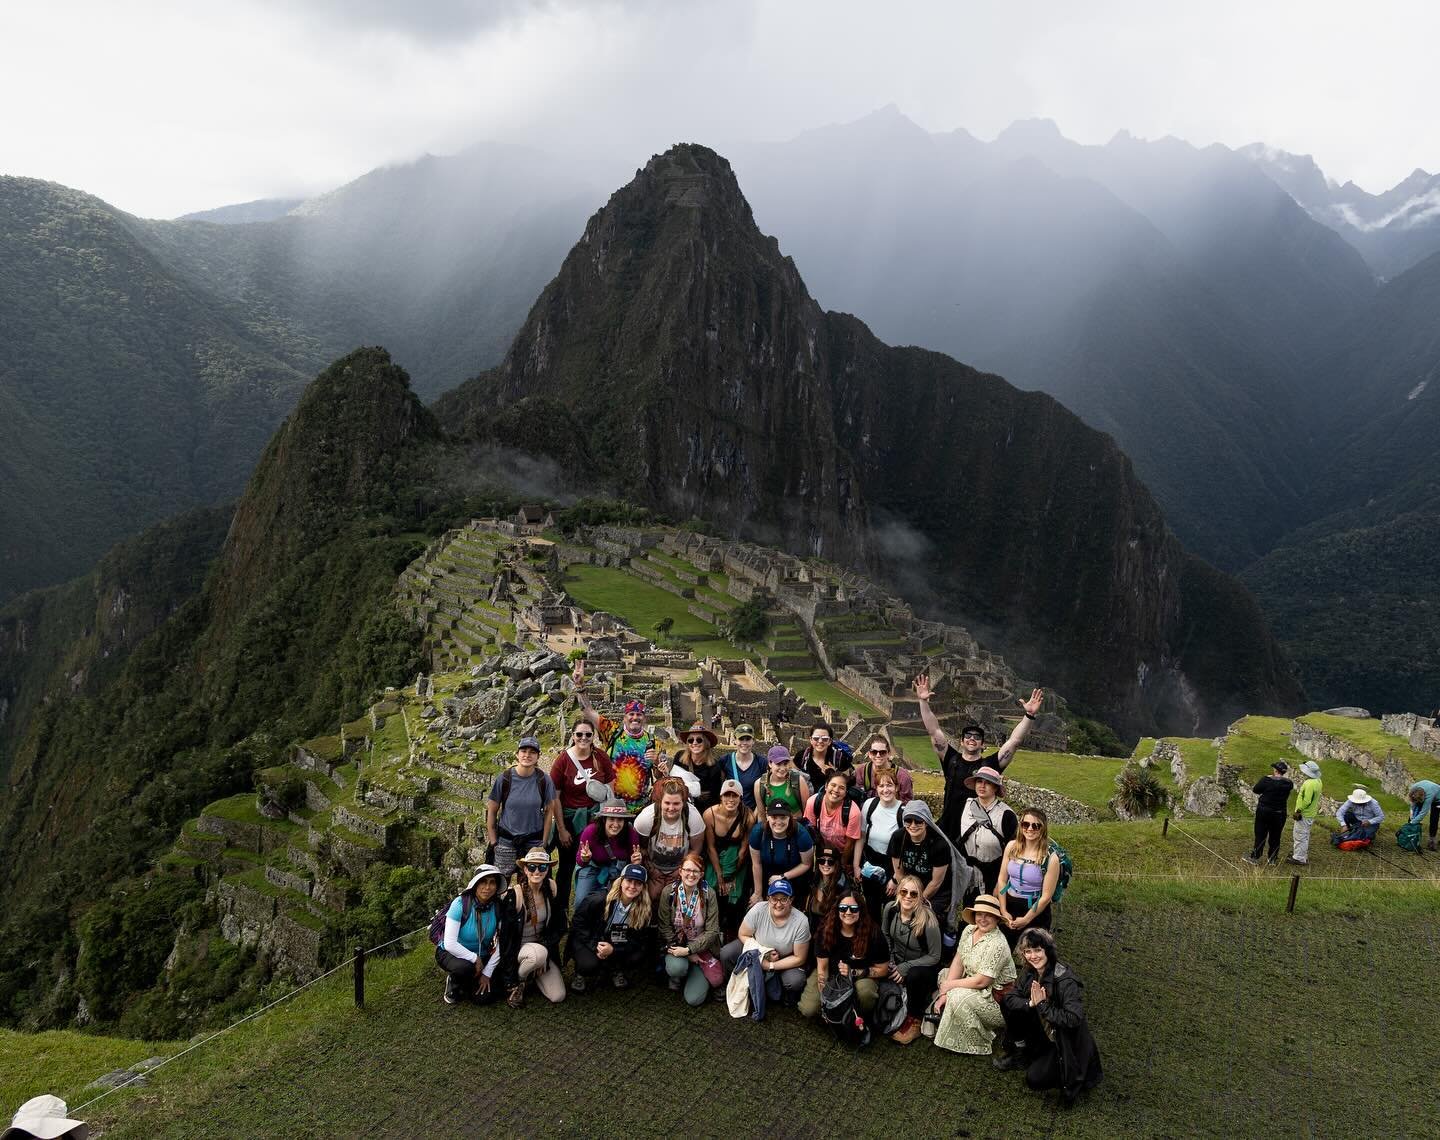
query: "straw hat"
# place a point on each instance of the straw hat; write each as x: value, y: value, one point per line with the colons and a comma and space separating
x: 984, y: 904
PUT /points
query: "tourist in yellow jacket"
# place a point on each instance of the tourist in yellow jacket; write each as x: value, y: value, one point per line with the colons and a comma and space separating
x: 1307, y: 807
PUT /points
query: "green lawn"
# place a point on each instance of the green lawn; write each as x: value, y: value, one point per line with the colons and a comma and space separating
x: 1089, y: 779
x: 835, y: 697
x: 633, y: 600
x: 63, y: 1063
x: 1201, y: 997
x: 1366, y: 734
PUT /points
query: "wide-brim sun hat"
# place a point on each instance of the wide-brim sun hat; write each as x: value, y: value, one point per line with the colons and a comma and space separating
x: 537, y: 856
x: 988, y: 775
x: 1359, y: 796
x: 1311, y: 769
x: 613, y: 809
x: 45, y: 1117
x: 484, y: 871
x: 710, y: 738
x: 984, y: 904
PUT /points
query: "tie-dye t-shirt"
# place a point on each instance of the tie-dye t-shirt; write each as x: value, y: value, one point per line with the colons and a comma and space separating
x: 627, y: 757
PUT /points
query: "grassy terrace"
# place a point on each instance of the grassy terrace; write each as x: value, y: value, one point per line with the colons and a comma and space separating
x: 1203, y: 996
x: 832, y: 695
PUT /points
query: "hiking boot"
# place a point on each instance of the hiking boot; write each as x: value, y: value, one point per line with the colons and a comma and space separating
x: 517, y: 996
x: 908, y: 1031
x: 578, y: 984
x: 619, y: 980
x: 1430, y: 846
x: 1009, y: 1062
x: 1294, y: 862
x: 1253, y: 860
x: 1273, y: 861
x: 676, y: 984
x: 452, y: 990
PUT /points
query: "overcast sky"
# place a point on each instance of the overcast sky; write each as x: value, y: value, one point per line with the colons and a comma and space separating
x: 163, y: 107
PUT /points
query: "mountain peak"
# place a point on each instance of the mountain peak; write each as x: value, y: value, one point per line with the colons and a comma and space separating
x: 1031, y: 132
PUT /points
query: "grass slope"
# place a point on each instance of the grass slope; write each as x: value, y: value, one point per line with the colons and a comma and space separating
x: 1207, y: 1008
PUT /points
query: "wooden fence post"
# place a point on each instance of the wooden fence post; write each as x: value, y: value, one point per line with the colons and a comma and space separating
x: 359, y: 977
x: 1294, y: 887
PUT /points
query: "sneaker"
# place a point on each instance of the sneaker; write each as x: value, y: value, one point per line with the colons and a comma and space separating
x: 578, y: 984
x: 1273, y: 860
x: 1009, y: 1062
x: 1251, y: 859
x: 452, y: 991
x: 619, y: 980
x: 1294, y: 862
x: 908, y: 1031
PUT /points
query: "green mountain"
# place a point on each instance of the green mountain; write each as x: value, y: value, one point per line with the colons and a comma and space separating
x: 139, y: 694
x: 702, y: 378
x: 126, y: 394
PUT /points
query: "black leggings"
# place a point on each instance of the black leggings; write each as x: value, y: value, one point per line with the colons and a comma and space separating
x: 626, y: 958
x: 1435, y: 818
x: 1269, y: 826
x: 465, y: 977
x: 1015, y: 907
x: 1042, y: 1059
x: 920, y: 985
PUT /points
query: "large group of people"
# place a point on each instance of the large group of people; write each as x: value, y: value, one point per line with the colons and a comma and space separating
x: 761, y: 878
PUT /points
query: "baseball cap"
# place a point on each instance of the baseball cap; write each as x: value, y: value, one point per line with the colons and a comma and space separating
x: 731, y: 786
x: 528, y: 742
x: 781, y: 887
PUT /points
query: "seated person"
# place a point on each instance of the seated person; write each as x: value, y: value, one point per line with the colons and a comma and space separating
x: 785, y: 930
x: 780, y: 846
x: 690, y: 932
x: 1045, y: 1023
x: 611, y: 933
x: 968, y: 1001
x: 853, y: 945
x: 1360, y: 817
x: 480, y: 941
x: 913, y: 934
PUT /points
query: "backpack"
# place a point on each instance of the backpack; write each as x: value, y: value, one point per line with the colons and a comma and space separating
x: 839, y: 1011
x: 1067, y: 868
x: 1350, y: 844
x: 437, y: 924
x: 765, y: 789
x: 1408, y: 837
x: 892, y: 1007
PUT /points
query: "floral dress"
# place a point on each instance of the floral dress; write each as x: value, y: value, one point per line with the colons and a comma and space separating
x: 971, y: 1017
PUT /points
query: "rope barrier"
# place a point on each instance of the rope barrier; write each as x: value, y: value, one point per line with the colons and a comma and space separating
x: 248, y: 1017
x: 1197, y: 842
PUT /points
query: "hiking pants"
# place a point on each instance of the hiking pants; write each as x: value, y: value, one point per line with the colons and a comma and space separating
x: 1269, y: 827
x: 626, y: 960
x: 694, y: 984
x: 1300, y: 833
x: 866, y: 995
x: 1435, y: 818
x: 535, y: 963
x: 921, y: 982
x: 792, y: 980
x: 466, y: 980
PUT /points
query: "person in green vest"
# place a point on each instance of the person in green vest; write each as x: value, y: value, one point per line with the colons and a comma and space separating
x: 1307, y: 807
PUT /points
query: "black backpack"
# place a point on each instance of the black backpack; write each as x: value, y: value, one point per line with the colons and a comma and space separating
x: 846, y: 806
x: 840, y: 1013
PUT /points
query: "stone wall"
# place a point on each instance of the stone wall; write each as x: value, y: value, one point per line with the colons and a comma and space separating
x: 1394, y: 777
x: 867, y: 688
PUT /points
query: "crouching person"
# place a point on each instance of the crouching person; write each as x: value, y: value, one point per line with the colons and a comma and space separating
x: 480, y: 941
x: 1045, y: 1023
x: 540, y: 919
x: 690, y: 932
x: 784, y: 930
x: 1360, y: 816
x: 611, y: 934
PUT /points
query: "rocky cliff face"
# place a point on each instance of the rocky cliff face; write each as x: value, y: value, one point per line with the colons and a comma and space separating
x: 708, y: 382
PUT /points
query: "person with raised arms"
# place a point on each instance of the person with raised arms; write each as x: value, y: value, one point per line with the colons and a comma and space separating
x: 630, y: 744
x: 581, y: 775
x: 958, y: 764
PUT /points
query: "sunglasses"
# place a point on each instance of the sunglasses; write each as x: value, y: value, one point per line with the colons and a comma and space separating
x: 584, y: 736
x: 909, y: 894
x: 879, y: 752
x: 694, y: 740
x: 848, y: 908
x: 819, y: 740
x: 534, y: 870
x: 826, y: 859
x: 972, y: 736
x: 1029, y: 825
